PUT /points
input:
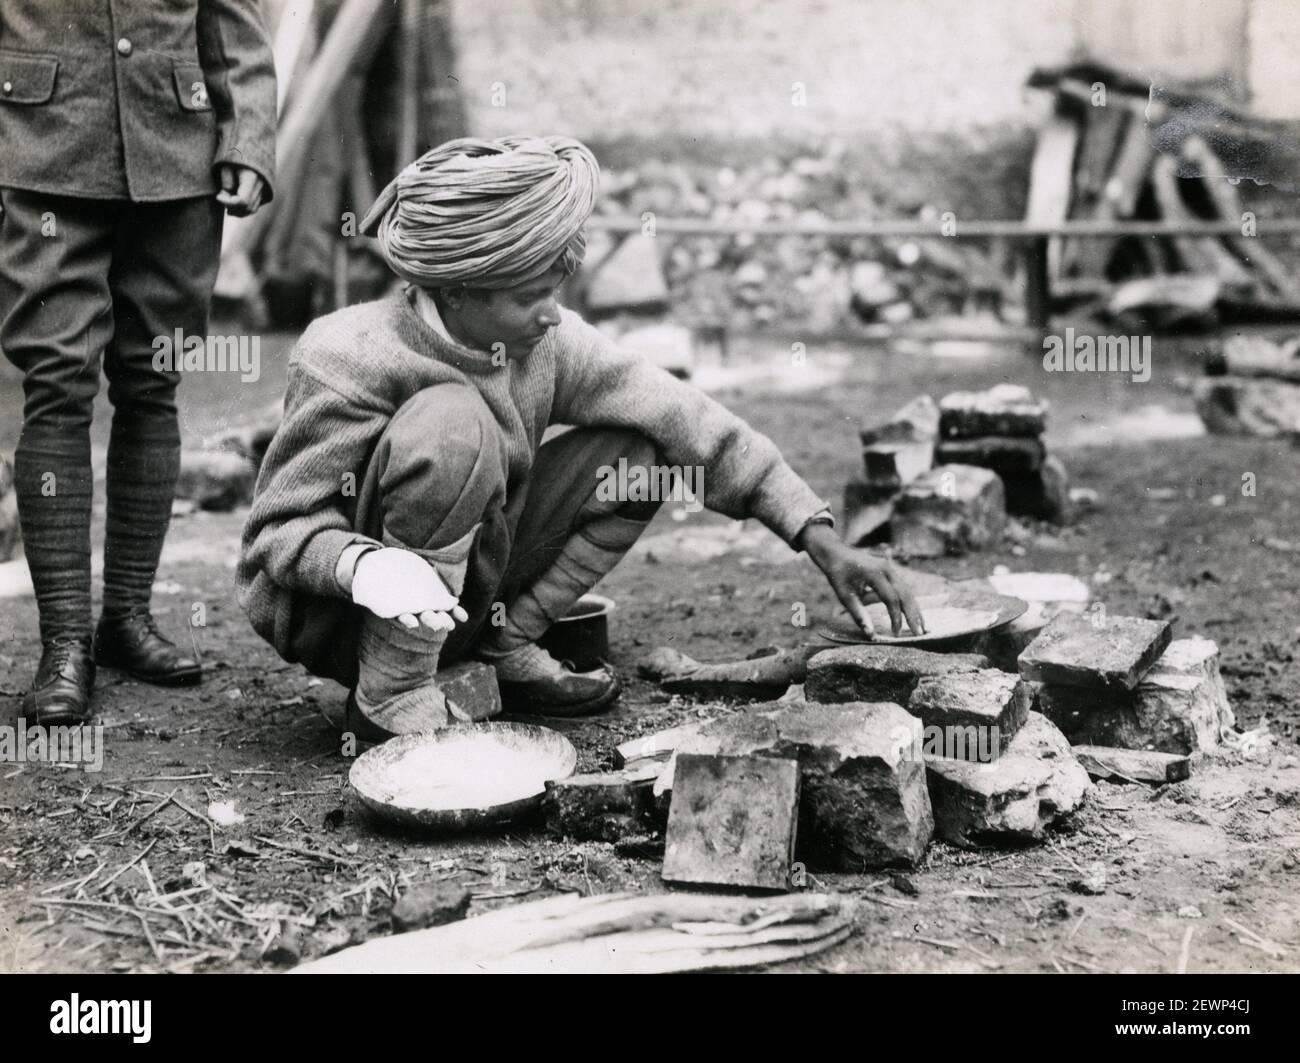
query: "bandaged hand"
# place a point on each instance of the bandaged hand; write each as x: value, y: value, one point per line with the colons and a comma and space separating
x: 392, y: 582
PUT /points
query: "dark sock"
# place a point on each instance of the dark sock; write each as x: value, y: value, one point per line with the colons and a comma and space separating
x: 54, y: 483
x: 144, y: 457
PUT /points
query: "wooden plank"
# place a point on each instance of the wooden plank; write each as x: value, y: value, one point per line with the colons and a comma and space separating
x: 1227, y: 202
x: 1051, y: 178
x: 1199, y: 254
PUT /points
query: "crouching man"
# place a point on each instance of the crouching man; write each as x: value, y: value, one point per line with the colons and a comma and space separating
x: 407, y: 515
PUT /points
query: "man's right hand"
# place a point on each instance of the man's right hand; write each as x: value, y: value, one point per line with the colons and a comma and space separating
x: 392, y: 582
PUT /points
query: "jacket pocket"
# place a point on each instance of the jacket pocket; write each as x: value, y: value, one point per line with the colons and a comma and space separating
x: 191, y: 88
x: 26, y: 78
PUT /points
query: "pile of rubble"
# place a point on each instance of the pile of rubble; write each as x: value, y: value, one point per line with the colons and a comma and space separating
x: 1251, y: 387
x: 815, y: 283
x: 941, y: 480
x: 874, y: 750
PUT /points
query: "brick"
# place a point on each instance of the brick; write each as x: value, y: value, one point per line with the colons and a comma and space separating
x: 988, y: 698
x: 1044, y: 495
x: 1002, y: 454
x: 894, y: 465
x: 1133, y: 765
x: 916, y: 422
x: 864, y: 800
x: 878, y: 672
x: 1111, y: 655
x: 867, y: 510
x: 1013, y: 800
x: 603, y: 806
x: 951, y: 509
x: 472, y: 691
x: 732, y: 821
x: 1180, y: 706
x: 431, y: 904
x: 1004, y: 410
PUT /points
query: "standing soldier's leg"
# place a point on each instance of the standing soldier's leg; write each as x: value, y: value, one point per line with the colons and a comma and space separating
x: 56, y: 317
x: 165, y: 260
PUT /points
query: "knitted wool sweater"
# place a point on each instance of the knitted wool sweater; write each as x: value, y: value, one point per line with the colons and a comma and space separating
x: 352, y: 370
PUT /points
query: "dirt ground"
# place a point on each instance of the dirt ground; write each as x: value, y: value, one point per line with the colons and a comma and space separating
x: 1203, y: 872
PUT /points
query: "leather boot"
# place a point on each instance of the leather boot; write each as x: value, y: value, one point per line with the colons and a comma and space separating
x: 64, y: 681
x: 133, y: 644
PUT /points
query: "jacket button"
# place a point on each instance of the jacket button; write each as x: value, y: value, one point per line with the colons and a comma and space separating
x: 124, y: 47
x: 7, y: 87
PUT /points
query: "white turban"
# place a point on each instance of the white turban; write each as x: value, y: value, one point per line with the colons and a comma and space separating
x: 487, y: 213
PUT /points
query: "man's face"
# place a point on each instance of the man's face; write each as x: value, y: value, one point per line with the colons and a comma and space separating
x: 510, y: 320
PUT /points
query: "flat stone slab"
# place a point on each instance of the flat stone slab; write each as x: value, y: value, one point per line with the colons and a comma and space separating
x: 1002, y: 454
x: 1004, y: 410
x: 603, y: 806
x: 1111, y: 655
x: 1180, y: 707
x: 732, y: 821
x: 864, y: 801
x: 1015, y: 799
x: 994, y: 703
x: 916, y: 422
x: 952, y: 509
x: 1133, y: 765
x: 879, y: 673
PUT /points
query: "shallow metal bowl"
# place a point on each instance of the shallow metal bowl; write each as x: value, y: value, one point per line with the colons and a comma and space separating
x: 1000, y: 610
x: 474, y: 758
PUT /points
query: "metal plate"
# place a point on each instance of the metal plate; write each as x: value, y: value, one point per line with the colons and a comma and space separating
x: 953, y: 613
x: 461, y: 778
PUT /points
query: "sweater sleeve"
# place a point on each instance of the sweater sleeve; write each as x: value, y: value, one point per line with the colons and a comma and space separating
x: 300, y: 522
x: 743, y: 472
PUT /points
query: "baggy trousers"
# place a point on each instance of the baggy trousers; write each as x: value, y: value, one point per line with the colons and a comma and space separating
x: 437, y: 483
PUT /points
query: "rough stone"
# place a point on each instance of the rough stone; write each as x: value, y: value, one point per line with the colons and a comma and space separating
x: 732, y: 821
x: 1004, y: 410
x: 431, y: 904
x: 1111, y: 655
x: 1180, y: 706
x: 1014, y: 799
x: 917, y: 422
x: 864, y: 800
x: 894, y: 465
x: 1002, y: 454
x: 879, y: 672
x: 1003, y: 646
x: 1248, y: 406
x: 631, y: 278
x: 867, y: 510
x: 603, y: 806
x: 949, y: 510
x: 1133, y: 765
x: 1044, y: 494
x: 472, y: 691
x: 216, y: 480
x: 997, y: 702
